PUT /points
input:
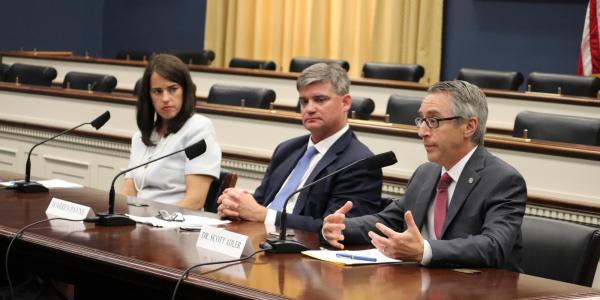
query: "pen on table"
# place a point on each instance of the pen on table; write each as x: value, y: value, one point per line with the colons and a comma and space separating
x: 356, y: 257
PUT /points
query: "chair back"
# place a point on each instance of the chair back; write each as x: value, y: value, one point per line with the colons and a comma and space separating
x: 233, y: 95
x: 30, y: 74
x: 403, y: 72
x: 585, y: 86
x: 226, y: 180
x: 403, y: 109
x: 204, y: 57
x: 252, y: 64
x: 298, y: 64
x: 97, y: 82
x: 558, y: 128
x: 134, y: 54
x: 3, y: 69
x: 488, y: 79
x: 560, y: 250
x: 363, y: 107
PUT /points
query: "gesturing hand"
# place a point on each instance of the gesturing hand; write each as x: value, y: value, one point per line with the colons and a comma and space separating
x: 407, y: 245
x: 334, y: 224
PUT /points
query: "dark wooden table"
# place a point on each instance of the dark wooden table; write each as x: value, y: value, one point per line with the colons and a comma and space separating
x: 135, y: 261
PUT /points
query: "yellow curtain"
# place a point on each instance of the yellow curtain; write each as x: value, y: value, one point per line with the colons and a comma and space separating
x: 392, y: 31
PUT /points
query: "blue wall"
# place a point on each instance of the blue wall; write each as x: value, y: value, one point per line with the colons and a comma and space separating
x: 515, y: 35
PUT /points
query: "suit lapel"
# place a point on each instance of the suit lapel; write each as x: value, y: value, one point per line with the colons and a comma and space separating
x: 467, y: 181
x: 426, y: 194
x: 330, y: 156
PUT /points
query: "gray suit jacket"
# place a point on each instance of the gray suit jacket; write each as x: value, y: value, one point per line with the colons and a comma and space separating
x: 483, y: 223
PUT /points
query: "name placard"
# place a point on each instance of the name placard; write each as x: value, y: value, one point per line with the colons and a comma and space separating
x: 221, y: 241
x: 65, y: 209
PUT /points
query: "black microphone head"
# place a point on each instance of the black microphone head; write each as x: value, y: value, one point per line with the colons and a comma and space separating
x: 101, y: 120
x: 381, y: 160
x: 195, y: 150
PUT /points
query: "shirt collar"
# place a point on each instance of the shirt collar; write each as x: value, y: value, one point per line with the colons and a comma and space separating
x: 457, y: 169
x: 326, y: 143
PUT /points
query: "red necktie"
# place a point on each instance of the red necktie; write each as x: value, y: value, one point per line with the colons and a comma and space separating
x: 441, y: 204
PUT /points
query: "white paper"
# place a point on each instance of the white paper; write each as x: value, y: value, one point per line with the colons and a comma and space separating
x: 222, y: 241
x: 51, y: 184
x: 190, y: 221
x: 330, y: 256
x: 69, y: 210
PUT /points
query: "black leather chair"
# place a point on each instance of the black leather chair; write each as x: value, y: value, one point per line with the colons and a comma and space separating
x: 204, y: 57
x: 559, y: 128
x: 30, y: 74
x: 226, y: 180
x: 363, y: 107
x: 488, y: 79
x: 298, y: 64
x: 585, y: 86
x: 134, y: 55
x: 560, y: 250
x: 137, y: 87
x: 403, y: 72
x: 403, y: 109
x: 3, y: 69
x: 97, y: 82
x: 233, y: 95
x: 252, y: 64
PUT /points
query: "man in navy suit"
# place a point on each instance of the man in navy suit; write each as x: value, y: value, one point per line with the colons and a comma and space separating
x: 325, y: 100
x: 463, y: 208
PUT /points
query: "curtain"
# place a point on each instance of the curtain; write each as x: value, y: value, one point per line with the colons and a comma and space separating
x: 391, y: 31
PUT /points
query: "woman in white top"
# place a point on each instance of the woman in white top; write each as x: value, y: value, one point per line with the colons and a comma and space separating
x: 167, y: 123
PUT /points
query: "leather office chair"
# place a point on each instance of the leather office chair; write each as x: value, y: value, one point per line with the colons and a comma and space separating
x: 559, y: 128
x: 97, y: 82
x: 233, y: 95
x: 403, y: 109
x: 134, y: 55
x: 298, y: 64
x: 402, y: 72
x: 30, y: 74
x: 204, y: 57
x: 3, y: 69
x: 252, y: 64
x: 363, y: 107
x: 560, y: 250
x: 488, y: 79
x: 226, y: 180
x: 585, y: 86
x: 137, y: 87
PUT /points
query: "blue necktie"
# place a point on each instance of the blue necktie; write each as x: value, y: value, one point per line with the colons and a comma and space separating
x: 294, y: 180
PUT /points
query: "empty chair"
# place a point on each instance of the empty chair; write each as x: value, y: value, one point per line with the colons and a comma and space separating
x: 363, y: 107
x: 217, y: 186
x: 3, y: 70
x: 298, y: 64
x: 488, y: 79
x: 233, y: 95
x: 90, y: 81
x: 134, y: 55
x: 585, y: 86
x: 137, y: 87
x: 560, y: 250
x: 403, y: 109
x: 559, y: 128
x: 403, y: 72
x: 204, y: 57
x: 30, y: 74
x: 252, y: 64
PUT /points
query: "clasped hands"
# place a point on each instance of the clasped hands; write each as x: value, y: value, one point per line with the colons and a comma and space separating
x: 239, y: 204
x: 407, y: 245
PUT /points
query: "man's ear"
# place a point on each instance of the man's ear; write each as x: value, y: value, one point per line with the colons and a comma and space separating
x: 346, y: 102
x: 471, y: 127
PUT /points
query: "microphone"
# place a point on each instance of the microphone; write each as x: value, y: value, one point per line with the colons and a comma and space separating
x: 29, y: 186
x: 281, y: 245
x: 110, y: 218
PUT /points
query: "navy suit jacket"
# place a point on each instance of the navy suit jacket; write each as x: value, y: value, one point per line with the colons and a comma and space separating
x: 358, y: 185
x: 483, y: 222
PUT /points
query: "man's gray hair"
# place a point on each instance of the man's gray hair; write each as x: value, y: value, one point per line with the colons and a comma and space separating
x: 322, y: 72
x: 467, y: 101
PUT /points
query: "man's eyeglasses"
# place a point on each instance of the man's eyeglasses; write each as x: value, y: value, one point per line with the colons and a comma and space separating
x: 433, y: 122
x: 171, y: 217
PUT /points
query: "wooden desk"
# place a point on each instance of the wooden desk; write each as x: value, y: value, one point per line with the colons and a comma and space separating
x: 503, y: 105
x: 145, y: 260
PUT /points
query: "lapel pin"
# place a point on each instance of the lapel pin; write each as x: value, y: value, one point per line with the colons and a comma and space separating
x: 470, y: 179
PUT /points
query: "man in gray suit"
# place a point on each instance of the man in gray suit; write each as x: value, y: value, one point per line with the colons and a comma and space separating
x: 463, y: 208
